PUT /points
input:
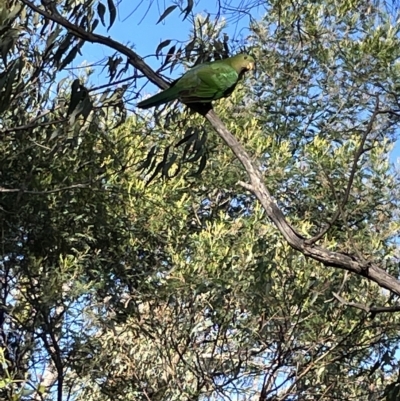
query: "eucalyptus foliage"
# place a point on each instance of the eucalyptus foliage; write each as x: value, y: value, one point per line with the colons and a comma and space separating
x: 135, y: 267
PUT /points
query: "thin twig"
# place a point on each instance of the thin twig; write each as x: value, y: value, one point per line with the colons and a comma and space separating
x: 359, y: 152
x: 369, y: 309
x: 31, y: 125
x: 50, y: 191
x: 79, y: 32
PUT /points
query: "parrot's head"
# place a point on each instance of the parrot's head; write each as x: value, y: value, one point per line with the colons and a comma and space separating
x: 242, y: 63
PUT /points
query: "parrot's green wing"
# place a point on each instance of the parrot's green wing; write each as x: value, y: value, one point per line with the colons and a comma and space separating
x: 207, y: 82
x: 165, y: 96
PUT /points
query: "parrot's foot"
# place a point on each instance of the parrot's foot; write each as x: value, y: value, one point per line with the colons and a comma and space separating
x: 201, y: 108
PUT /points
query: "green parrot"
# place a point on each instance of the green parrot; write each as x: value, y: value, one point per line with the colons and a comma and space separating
x: 205, y: 82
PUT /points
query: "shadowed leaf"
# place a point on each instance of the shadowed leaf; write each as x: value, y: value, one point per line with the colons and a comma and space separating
x: 166, y: 13
x: 101, y: 10
x: 113, y: 13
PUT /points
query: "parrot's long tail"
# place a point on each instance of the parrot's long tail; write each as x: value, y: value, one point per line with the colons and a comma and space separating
x: 163, y: 97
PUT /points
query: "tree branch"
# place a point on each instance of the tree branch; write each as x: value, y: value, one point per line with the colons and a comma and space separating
x: 328, y: 258
x: 373, y: 310
x: 91, y: 37
x: 360, y: 150
x: 50, y: 191
x: 32, y: 125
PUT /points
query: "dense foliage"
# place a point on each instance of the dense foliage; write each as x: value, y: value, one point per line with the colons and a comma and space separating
x: 135, y: 266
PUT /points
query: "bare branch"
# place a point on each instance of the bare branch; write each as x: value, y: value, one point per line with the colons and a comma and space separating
x: 50, y: 191
x: 329, y: 258
x: 373, y: 310
x: 32, y: 125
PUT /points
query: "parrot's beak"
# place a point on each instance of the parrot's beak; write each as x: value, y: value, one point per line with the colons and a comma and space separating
x: 250, y: 66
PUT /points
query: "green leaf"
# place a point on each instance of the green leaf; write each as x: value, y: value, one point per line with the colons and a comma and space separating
x: 170, y: 53
x: 166, y: 13
x: 101, y: 10
x: 163, y: 44
x: 196, y: 156
x: 149, y: 158
x: 5, y: 382
x: 155, y: 173
x: 5, y: 46
x: 202, y: 166
x: 191, y: 135
x: 188, y: 9
x: 189, y: 47
x: 169, y: 164
x: 94, y: 24
x: 70, y: 56
x: 11, y: 75
x: 113, y: 13
x: 87, y: 107
x: 76, y: 96
x: 62, y: 48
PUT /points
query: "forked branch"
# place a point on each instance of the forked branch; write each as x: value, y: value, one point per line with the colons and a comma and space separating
x: 257, y: 186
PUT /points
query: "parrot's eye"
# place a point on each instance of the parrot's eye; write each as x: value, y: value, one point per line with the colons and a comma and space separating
x: 245, y: 57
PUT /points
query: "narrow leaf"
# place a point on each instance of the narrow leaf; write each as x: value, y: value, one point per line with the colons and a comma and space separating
x: 168, y: 165
x: 94, y: 25
x: 149, y: 158
x: 87, y: 107
x: 170, y: 53
x: 176, y: 59
x: 200, y: 143
x: 101, y: 10
x: 63, y: 48
x: 191, y: 135
x: 156, y: 171
x: 76, y: 96
x: 113, y: 13
x: 188, y: 9
x: 166, y: 13
x: 190, y: 47
x: 198, y: 154
x: 3, y: 79
x: 69, y: 57
x: 162, y: 45
x: 202, y: 165
x: 6, y: 95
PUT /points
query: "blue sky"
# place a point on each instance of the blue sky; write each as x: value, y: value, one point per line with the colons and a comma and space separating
x: 138, y: 28
x: 136, y: 25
